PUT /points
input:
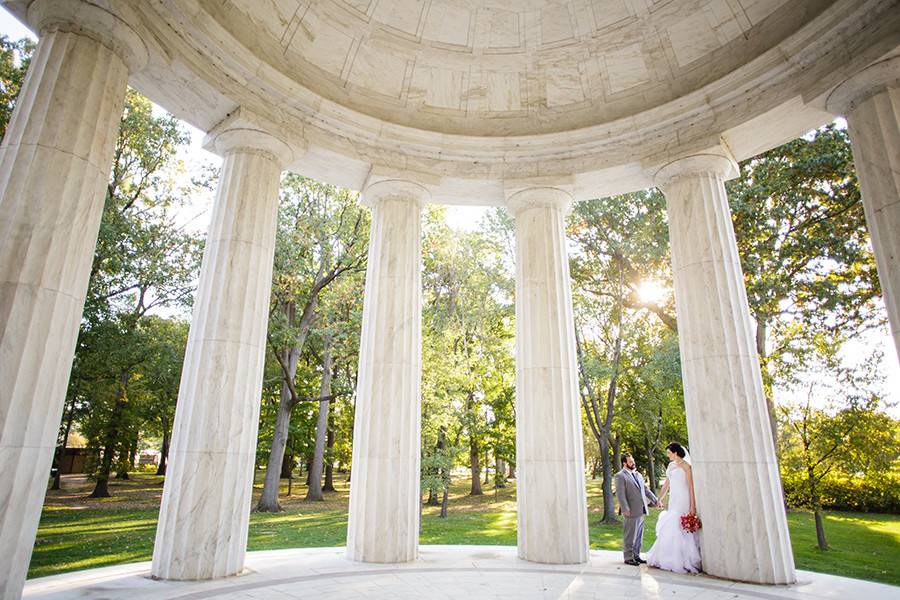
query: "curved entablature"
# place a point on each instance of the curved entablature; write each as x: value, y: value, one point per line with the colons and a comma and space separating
x: 599, y: 92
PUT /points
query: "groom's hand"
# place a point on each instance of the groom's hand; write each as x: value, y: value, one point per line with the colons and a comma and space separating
x: 627, y: 513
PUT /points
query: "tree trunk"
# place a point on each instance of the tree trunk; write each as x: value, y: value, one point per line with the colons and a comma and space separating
x: 61, y: 455
x: 511, y: 473
x: 817, y: 505
x: 761, y: 330
x: 609, y: 504
x: 820, y: 531
x: 617, y: 452
x: 126, y: 462
x: 476, y: 468
x: 287, y: 466
x: 164, y: 453
x: 487, y: 471
x: 268, y: 501
x: 445, y: 500
x: 651, y: 465
x: 101, y: 489
x: 329, y: 462
x: 314, y: 492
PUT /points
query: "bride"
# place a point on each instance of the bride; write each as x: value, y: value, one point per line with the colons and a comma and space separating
x: 675, y: 549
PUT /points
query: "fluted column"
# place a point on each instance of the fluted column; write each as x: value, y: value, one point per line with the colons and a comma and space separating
x: 551, y: 496
x: 384, y: 493
x: 870, y: 100
x: 738, y: 487
x: 54, y: 165
x: 203, y: 520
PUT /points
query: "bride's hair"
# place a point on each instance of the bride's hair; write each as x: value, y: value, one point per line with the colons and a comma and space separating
x: 676, y: 448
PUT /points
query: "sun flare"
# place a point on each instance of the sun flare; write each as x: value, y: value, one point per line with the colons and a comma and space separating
x: 651, y: 292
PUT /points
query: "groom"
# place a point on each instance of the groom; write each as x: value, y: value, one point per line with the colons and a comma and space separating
x: 633, y: 496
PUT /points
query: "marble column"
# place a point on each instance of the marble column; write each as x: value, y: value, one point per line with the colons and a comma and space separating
x: 737, y: 483
x: 54, y: 165
x: 203, y: 520
x: 384, y: 492
x: 551, y: 496
x: 870, y: 101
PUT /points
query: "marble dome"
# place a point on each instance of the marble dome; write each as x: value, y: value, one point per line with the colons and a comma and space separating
x: 507, y: 67
x: 470, y: 94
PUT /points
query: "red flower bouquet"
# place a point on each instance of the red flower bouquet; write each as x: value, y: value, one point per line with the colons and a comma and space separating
x: 691, y: 523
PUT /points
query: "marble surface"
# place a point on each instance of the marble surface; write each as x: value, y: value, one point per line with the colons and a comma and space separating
x: 551, y: 499
x: 54, y: 165
x: 738, y: 488
x: 604, y: 91
x: 451, y: 572
x: 384, y: 495
x: 203, y: 522
x: 872, y: 107
x: 510, y: 67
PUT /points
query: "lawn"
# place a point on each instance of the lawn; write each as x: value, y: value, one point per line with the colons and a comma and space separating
x: 80, y: 533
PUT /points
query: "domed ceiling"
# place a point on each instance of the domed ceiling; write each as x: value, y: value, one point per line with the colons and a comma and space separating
x: 507, y: 67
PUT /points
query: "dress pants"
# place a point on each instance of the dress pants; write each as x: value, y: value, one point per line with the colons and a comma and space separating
x: 633, y: 535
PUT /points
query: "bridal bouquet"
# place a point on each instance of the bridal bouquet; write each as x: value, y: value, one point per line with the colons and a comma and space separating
x: 691, y: 523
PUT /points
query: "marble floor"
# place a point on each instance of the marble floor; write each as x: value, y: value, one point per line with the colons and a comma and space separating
x: 458, y: 572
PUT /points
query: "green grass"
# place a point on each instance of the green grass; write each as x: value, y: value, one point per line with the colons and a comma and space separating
x: 861, y: 545
x: 77, y: 533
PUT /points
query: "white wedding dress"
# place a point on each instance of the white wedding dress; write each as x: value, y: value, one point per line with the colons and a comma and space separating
x: 675, y: 549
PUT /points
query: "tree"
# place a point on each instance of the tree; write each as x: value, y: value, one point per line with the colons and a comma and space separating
x: 143, y: 262
x: 620, y: 246
x: 314, y: 492
x: 804, y: 248
x: 467, y: 389
x: 159, y: 376
x: 823, y: 438
x: 322, y: 234
x: 14, y: 60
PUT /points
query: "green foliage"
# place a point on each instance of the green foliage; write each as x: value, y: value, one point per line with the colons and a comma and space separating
x: 628, y: 349
x: 839, y: 449
x: 804, y: 247
x: 840, y: 491
x: 128, y: 362
x: 468, y: 329
x: 317, y: 289
x: 14, y: 60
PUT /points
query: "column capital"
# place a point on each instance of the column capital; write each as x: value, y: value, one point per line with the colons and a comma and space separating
x: 394, y: 189
x: 713, y: 162
x: 538, y: 197
x: 96, y: 20
x: 245, y: 130
x: 863, y: 85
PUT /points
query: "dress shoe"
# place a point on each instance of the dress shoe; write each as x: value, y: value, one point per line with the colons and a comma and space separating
x: 640, y: 561
x: 633, y: 563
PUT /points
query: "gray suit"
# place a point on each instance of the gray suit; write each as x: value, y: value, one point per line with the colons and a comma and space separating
x: 633, y: 496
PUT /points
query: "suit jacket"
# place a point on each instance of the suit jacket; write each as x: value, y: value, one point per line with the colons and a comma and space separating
x: 633, y: 495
